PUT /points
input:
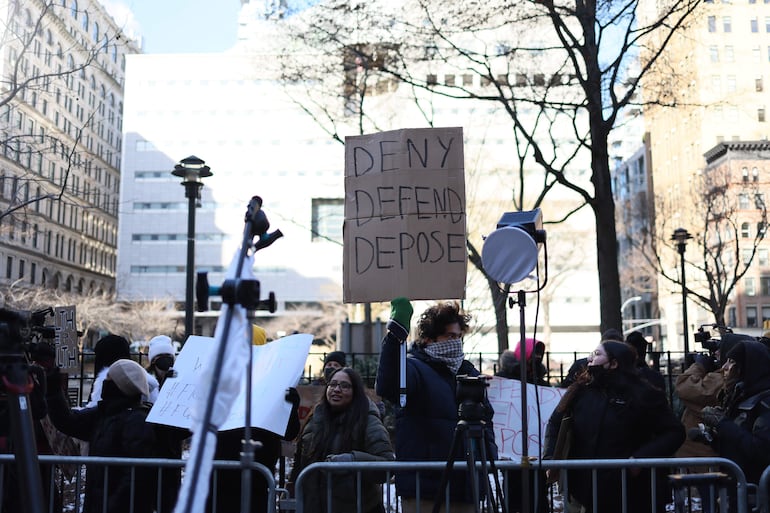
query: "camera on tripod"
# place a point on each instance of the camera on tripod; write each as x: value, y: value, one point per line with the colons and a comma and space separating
x: 471, y: 394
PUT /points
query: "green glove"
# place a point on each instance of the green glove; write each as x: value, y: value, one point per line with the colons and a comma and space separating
x: 401, y: 311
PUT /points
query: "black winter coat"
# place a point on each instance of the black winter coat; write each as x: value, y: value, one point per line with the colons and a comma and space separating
x: 425, y: 427
x: 116, y: 428
x: 743, y: 436
x: 617, y: 415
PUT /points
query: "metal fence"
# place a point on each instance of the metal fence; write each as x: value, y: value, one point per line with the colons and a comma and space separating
x: 726, y: 481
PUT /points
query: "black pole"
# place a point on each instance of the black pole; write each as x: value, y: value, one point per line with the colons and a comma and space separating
x: 191, y: 191
x: 521, y: 299
x: 680, y: 247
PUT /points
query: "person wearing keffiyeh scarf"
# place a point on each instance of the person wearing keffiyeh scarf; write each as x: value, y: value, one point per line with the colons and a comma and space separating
x: 425, y: 425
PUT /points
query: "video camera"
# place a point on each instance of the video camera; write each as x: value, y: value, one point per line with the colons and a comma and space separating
x: 705, y: 339
x: 21, y: 330
x: 471, y: 394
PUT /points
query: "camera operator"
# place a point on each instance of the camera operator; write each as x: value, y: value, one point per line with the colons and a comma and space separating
x: 697, y: 388
x: 425, y: 426
x: 740, y: 425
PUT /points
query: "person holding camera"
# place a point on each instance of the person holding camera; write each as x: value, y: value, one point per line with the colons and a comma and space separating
x: 740, y: 425
x: 425, y: 425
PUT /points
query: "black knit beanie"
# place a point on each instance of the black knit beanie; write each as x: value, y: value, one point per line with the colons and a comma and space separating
x: 108, y: 350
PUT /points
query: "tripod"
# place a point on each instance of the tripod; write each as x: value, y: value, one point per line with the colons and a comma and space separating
x: 470, y: 432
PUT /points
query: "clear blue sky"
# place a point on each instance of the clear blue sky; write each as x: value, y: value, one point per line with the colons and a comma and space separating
x: 181, y: 26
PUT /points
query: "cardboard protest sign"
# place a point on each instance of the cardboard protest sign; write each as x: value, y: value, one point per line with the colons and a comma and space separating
x: 405, y: 214
x: 66, y: 338
x: 277, y: 366
x: 505, y: 397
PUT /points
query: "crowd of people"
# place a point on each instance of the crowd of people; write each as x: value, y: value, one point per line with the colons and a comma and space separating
x: 614, y: 406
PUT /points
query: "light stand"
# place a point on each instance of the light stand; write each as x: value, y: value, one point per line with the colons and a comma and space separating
x: 191, y: 170
x: 509, y: 256
x: 681, y: 236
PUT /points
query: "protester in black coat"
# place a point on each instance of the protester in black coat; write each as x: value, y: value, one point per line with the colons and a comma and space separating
x: 741, y: 424
x: 616, y: 414
x: 425, y: 426
x: 116, y: 427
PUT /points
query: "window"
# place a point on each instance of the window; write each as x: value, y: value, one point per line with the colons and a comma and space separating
x: 756, y: 54
x: 712, y: 23
x: 762, y: 257
x: 74, y: 9
x: 95, y: 32
x: 32, y: 272
x: 759, y: 200
x: 761, y: 228
x: 767, y: 23
x: 449, y: 80
x: 761, y: 114
x: 765, y: 314
x: 85, y: 21
x: 758, y: 84
x: 745, y: 255
x: 754, y: 25
x: 764, y: 285
x: 714, y: 53
x: 716, y: 84
x: 743, y: 200
x: 727, y: 24
x: 755, y: 178
x: 750, y: 286
x: 731, y: 317
x: 729, y: 53
x: 9, y: 267
x: 745, y: 234
x: 328, y: 215
x: 21, y: 268
x: 751, y: 316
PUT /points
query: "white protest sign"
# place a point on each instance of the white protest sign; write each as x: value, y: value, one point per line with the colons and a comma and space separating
x: 277, y: 366
x: 505, y: 397
x: 405, y: 215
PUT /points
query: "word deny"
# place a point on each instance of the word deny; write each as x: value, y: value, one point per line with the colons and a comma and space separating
x: 390, y: 252
x: 385, y: 157
x: 390, y: 202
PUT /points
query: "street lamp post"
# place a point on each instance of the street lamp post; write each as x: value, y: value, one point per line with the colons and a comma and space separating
x: 681, y: 236
x: 191, y: 170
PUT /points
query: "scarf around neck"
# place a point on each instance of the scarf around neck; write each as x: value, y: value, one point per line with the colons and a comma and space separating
x: 450, y: 352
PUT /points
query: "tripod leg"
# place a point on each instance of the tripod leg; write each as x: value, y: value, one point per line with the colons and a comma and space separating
x: 470, y: 457
x: 447, y: 470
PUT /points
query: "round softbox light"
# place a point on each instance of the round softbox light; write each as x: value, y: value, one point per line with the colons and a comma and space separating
x: 509, y: 254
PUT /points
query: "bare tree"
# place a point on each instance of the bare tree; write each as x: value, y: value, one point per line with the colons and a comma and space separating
x: 726, y: 249
x: 98, y: 312
x: 558, y: 70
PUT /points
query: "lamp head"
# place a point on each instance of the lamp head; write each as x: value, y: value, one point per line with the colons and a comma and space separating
x: 192, y: 169
x: 510, y: 253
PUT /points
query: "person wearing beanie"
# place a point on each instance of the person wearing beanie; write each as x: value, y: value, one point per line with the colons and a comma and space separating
x: 740, y: 424
x: 697, y: 387
x: 580, y: 365
x: 615, y: 414
x: 107, y: 350
x: 161, y: 356
x: 116, y: 427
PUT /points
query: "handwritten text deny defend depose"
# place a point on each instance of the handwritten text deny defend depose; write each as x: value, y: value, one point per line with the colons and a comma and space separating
x: 388, y: 202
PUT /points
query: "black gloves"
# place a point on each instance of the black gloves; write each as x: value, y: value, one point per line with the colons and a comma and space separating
x: 706, y: 361
x: 712, y: 415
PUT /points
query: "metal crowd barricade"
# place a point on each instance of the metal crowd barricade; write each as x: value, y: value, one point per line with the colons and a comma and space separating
x: 734, y: 483
x: 70, y: 491
x: 763, y: 492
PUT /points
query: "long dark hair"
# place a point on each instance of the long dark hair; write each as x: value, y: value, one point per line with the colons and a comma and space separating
x: 347, y: 426
x: 624, y: 376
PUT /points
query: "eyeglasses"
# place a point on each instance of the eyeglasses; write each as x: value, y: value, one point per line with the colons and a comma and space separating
x: 343, y: 385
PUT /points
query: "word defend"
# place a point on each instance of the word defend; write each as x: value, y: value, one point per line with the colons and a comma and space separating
x: 405, y: 216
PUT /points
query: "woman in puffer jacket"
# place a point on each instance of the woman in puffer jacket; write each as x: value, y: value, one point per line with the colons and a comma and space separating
x: 345, y: 426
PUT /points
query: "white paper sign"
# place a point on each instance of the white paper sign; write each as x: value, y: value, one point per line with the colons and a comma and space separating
x: 277, y: 366
x: 505, y: 397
